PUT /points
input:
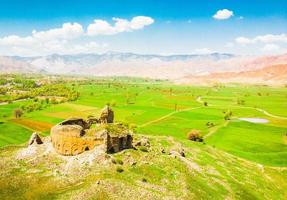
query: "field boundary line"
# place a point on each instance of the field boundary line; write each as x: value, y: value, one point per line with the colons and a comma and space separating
x: 166, y: 116
x: 199, y: 100
x: 211, y: 132
x: 263, y: 111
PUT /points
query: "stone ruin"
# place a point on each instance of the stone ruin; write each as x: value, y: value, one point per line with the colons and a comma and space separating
x: 107, y: 115
x: 74, y: 136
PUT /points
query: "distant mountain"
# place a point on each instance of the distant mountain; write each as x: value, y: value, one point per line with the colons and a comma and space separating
x: 11, y: 65
x: 275, y: 74
x: 173, y: 67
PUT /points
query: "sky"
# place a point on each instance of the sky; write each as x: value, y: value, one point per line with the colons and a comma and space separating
x: 43, y: 27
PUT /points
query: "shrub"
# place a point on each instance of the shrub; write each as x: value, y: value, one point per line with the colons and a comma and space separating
x: 210, y: 124
x: 119, y: 169
x: 119, y: 161
x: 113, y: 103
x: 18, y: 113
x: 133, y: 127
x: 227, y: 114
x: 143, y: 149
x: 144, y: 180
x: 195, y: 135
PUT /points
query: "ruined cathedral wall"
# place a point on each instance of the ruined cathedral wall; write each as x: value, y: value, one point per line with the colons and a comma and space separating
x: 74, y: 145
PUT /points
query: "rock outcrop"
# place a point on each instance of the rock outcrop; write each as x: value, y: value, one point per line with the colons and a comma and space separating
x: 35, y: 139
x: 107, y: 115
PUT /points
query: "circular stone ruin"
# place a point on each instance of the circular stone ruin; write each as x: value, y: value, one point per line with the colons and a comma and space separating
x: 74, y: 136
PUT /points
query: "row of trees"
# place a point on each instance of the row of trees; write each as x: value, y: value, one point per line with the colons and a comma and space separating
x: 50, y: 91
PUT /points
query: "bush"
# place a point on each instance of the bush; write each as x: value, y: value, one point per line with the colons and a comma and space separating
x: 18, y: 113
x: 143, y: 149
x: 144, y: 180
x: 195, y: 135
x: 119, y: 161
x: 227, y: 114
x: 119, y: 169
x: 113, y: 103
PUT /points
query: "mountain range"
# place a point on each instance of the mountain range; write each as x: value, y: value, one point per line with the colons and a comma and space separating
x: 180, y: 68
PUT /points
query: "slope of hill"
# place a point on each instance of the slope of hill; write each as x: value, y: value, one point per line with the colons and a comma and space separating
x: 37, y: 172
x: 10, y: 65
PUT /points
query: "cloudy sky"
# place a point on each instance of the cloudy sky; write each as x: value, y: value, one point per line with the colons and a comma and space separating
x: 33, y: 27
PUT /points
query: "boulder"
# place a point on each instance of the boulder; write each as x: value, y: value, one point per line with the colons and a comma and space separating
x: 107, y: 115
x: 35, y: 139
x: 179, y: 152
x: 143, y: 142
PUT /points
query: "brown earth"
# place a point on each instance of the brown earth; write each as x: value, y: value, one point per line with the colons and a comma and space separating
x: 33, y: 125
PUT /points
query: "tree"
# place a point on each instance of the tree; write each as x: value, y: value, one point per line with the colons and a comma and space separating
x: 175, y: 106
x: 227, y: 114
x: 18, y: 113
x: 47, y: 100
x: 195, y: 135
x: 170, y: 91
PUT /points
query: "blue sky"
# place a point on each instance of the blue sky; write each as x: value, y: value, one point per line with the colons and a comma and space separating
x: 168, y: 26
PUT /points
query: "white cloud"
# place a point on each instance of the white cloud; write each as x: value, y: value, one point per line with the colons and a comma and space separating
x: 101, y: 27
x: 140, y: 21
x: 229, y: 45
x: 268, y: 38
x: 270, y: 47
x: 243, y: 40
x: 271, y: 38
x: 15, y: 40
x: 70, y: 38
x: 203, y: 51
x: 67, y: 31
x: 223, y: 14
x: 273, y: 49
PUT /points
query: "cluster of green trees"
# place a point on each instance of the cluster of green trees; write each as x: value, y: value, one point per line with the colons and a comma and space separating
x: 33, y: 106
x: 53, y: 90
x: 59, y: 90
x: 227, y: 115
x: 24, y: 84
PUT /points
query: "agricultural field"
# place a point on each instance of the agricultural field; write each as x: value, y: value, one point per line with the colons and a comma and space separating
x: 163, y: 109
x: 234, y: 157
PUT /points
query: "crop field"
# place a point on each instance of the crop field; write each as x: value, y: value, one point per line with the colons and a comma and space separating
x: 163, y: 109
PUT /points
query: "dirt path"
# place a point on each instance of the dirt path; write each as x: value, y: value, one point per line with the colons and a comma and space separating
x: 6, y: 102
x: 269, y: 114
x: 166, y: 116
x: 215, y: 129
x: 263, y: 111
x: 199, y: 100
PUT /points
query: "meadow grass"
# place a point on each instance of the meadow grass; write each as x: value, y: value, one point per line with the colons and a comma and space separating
x: 163, y: 109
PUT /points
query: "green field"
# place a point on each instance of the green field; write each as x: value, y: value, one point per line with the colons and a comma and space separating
x: 163, y: 109
x: 237, y: 160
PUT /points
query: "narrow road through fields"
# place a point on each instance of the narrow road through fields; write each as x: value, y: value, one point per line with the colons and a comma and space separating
x: 215, y: 129
x: 199, y: 100
x: 6, y: 102
x: 166, y: 116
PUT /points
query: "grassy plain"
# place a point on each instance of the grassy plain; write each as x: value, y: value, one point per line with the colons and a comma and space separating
x: 238, y: 159
x: 163, y: 109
